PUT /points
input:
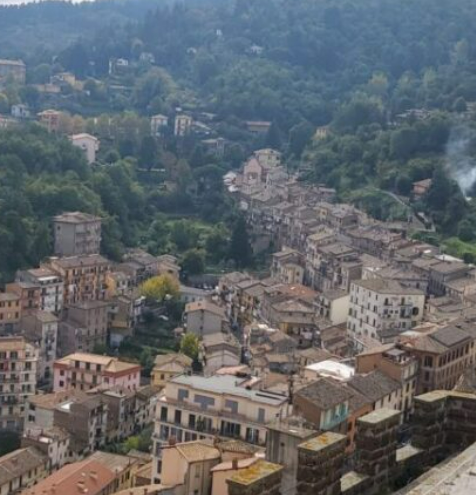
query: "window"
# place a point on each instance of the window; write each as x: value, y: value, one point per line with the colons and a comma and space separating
x: 232, y: 405
x: 178, y: 417
x: 428, y: 361
x: 163, y: 413
x: 204, y: 401
x: 261, y: 415
x: 182, y: 394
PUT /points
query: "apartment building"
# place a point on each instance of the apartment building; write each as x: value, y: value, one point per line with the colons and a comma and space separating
x: 182, y: 125
x: 29, y: 294
x: 21, y: 469
x: 10, y: 313
x: 84, y: 277
x: 88, y: 144
x: 197, y: 407
x: 52, y: 442
x: 50, y: 284
x: 85, y: 419
x: 287, y: 266
x: 378, y: 305
x: 333, y: 305
x: 40, y: 408
x: 76, y: 233
x: 18, y: 369
x: 204, y: 317
x: 157, y: 124
x: 86, y: 371
x: 41, y: 328
x: 139, y: 265
x: 443, y: 355
x: 12, y: 69
x: 83, y: 327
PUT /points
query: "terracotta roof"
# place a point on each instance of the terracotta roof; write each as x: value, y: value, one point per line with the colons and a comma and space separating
x: 76, y: 216
x: 325, y: 393
x: 50, y: 401
x: 162, y: 360
x: 19, y: 462
x: 88, y: 476
x: 375, y: 385
x: 204, y: 305
x: 197, y: 451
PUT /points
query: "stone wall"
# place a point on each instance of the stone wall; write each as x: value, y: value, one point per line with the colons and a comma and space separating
x: 444, y: 422
x: 320, y: 464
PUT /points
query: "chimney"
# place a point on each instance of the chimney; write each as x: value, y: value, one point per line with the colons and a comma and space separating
x: 172, y: 441
x: 93, y: 475
x: 234, y: 464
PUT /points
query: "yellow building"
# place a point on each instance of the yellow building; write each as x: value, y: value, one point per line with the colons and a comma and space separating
x: 168, y: 366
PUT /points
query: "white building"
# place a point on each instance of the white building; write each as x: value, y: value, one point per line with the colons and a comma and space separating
x: 379, y: 305
x: 88, y: 143
x: 197, y: 407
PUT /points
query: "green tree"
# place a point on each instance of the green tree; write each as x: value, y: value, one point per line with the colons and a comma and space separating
x: 190, y: 346
x: 148, y: 152
x: 299, y: 137
x: 240, y: 250
x: 193, y: 262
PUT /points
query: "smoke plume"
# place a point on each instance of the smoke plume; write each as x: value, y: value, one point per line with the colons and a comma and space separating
x: 460, y: 166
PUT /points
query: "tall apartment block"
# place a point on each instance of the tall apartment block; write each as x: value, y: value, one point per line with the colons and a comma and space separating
x: 77, y: 233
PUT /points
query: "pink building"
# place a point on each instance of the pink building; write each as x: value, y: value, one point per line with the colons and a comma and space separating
x: 85, y: 371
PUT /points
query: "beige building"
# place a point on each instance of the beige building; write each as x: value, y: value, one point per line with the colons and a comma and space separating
x: 182, y: 125
x: 379, y: 305
x: 333, y: 304
x: 50, y: 284
x: 203, y: 317
x: 21, y: 469
x: 168, y: 366
x: 220, y: 350
x: 77, y: 233
x: 157, y: 124
x: 196, y: 407
x: 88, y: 143
x: 83, y: 327
x: 84, y: 277
x: 41, y: 328
x: 86, y: 371
x: 10, y: 312
x: 189, y: 464
x: 18, y: 369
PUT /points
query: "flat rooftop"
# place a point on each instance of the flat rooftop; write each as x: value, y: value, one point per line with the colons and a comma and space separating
x: 226, y: 384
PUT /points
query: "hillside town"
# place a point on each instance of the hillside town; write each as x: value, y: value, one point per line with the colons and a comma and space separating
x: 347, y: 366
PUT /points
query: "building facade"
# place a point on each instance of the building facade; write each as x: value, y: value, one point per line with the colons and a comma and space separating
x: 76, y: 234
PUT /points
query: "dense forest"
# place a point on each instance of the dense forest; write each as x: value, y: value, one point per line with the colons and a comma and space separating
x: 354, y: 67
